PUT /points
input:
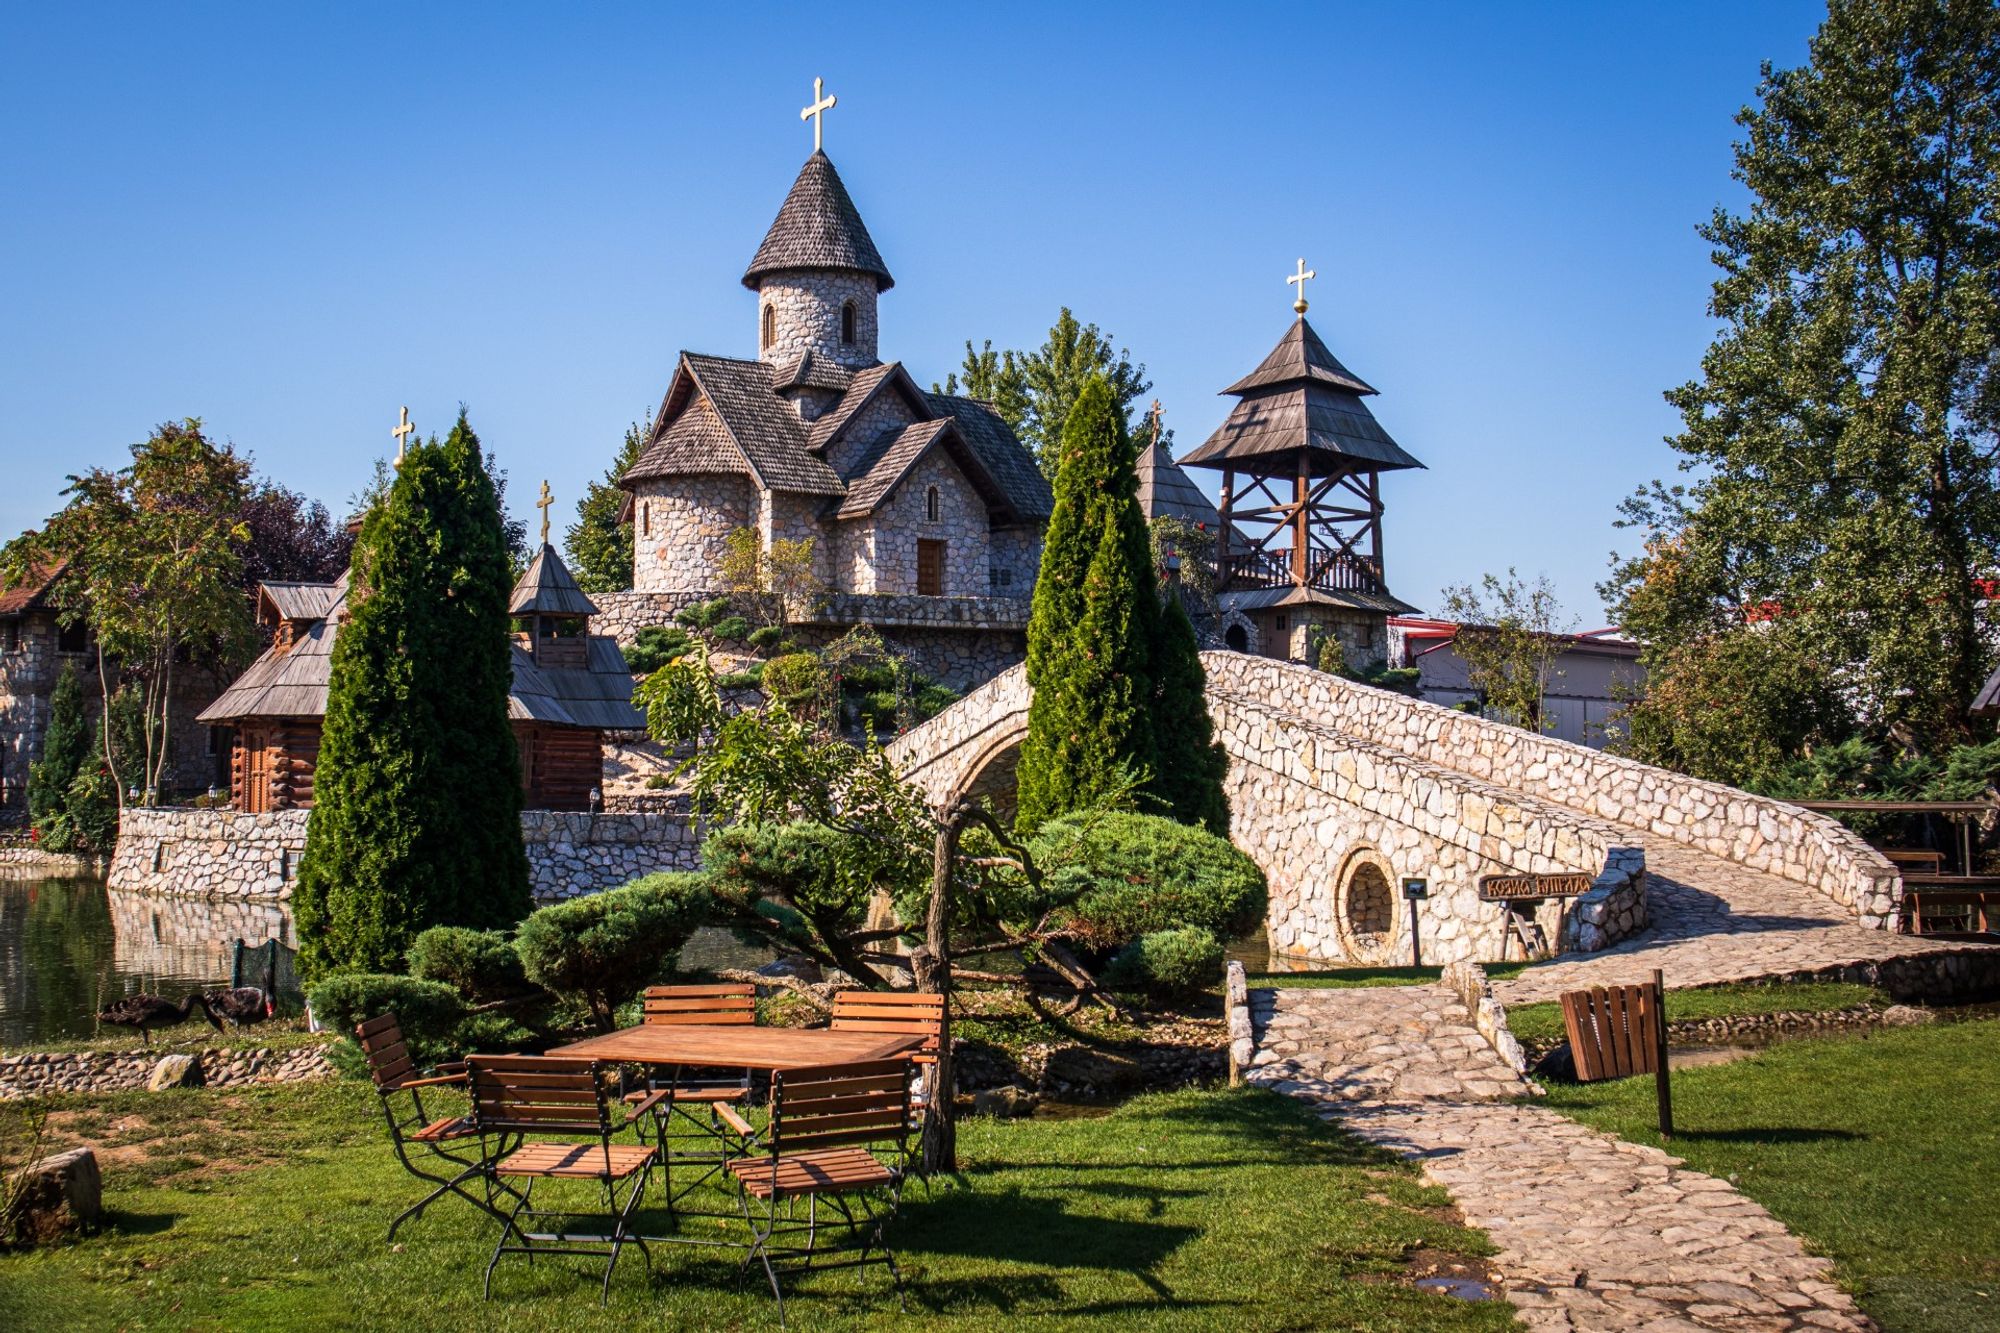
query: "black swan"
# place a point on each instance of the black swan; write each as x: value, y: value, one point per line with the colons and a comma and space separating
x: 241, y: 1005
x: 146, y: 1012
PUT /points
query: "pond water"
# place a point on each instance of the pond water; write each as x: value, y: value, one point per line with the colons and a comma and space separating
x: 68, y: 947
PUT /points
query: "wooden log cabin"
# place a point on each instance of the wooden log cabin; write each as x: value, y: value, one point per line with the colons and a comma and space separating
x: 570, y: 687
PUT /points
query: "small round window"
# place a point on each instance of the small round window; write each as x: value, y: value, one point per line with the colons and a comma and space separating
x: 1365, y: 909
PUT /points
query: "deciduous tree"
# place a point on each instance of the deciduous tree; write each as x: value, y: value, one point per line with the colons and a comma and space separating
x: 1509, y: 637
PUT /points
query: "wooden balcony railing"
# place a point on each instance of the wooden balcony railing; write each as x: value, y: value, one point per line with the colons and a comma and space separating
x: 1329, y: 571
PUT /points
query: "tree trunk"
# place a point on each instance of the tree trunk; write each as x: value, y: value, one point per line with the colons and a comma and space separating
x: 932, y: 965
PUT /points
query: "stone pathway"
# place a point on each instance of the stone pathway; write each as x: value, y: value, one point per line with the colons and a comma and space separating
x: 1594, y: 1234
x: 1716, y: 921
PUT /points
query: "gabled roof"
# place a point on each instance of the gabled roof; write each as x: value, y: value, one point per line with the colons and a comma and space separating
x: 547, y: 589
x: 818, y: 227
x: 27, y: 595
x: 861, y: 391
x: 292, y: 683
x: 1012, y: 466
x: 753, y: 430
x: 807, y: 371
x: 879, y: 475
x: 1301, y: 408
x: 296, y: 601
x: 1167, y: 492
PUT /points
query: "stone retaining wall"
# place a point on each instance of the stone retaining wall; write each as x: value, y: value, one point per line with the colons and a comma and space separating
x: 35, y: 1075
x: 1752, y: 831
x: 225, y: 855
x: 1468, y: 981
x: 34, y: 863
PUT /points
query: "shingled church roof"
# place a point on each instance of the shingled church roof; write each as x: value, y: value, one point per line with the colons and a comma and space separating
x: 818, y: 227
x: 1300, y: 405
x: 1167, y: 492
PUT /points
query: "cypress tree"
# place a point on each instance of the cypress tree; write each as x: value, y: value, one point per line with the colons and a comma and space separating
x: 65, y: 745
x: 417, y: 798
x: 1192, y: 763
x: 1093, y: 626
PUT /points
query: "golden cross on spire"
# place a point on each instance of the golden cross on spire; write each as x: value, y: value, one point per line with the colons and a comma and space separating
x: 1155, y: 416
x: 543, y: 505
x: 1300, y: 279
x: 816, y: 113
x: 403, y: 428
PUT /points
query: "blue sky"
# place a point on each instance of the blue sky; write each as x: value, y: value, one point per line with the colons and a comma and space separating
x: 290, y: 220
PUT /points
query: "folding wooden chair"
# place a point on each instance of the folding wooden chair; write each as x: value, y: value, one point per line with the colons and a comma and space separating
x: 823, y: 1121
x: 690, y: 1096
x: 519, y: 1095
x: 901, y: 1013
x: 417, y: 1129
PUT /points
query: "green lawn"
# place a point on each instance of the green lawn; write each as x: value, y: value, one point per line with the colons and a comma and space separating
x: 1194, y: 1210
x: 1883, y: 1151
x: 1542, y: 1024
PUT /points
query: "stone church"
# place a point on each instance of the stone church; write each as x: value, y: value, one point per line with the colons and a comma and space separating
x: 925, y: 512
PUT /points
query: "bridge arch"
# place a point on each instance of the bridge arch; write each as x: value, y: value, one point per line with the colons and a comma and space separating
x: 1324, y: 770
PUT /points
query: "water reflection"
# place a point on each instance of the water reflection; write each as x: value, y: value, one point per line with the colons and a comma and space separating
x: 68, y: 947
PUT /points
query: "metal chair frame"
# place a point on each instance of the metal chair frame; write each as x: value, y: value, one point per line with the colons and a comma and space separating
x: 397, y: 1078
x: 821, y: 1117
x: 515, y: 1096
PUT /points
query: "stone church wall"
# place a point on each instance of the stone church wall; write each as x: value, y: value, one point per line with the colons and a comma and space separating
x: 683, y: 528
x: 1014, y: 558
x: 225, y: 855
x: 807, y: 306
x: 887, y: 415
x: 784, y: 516
x: 962, y: 525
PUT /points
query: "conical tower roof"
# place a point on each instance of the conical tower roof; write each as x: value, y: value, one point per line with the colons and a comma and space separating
x: 1301, y: 410
x: 818, y: 228
x: 548, y: 589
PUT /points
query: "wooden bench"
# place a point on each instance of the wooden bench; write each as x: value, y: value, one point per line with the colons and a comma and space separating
x: 1975, y: 897
x: 1920, y: 859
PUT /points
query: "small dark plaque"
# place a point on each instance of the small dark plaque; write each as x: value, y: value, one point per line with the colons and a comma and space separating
x: 1416, y: 888
x: 1512, y: 888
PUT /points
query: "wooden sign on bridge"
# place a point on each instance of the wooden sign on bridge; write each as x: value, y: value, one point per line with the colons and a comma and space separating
x: 1514, y: 888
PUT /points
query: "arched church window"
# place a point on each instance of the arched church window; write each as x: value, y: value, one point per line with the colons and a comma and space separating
x: 847, y: 324
x: 932, y: 509
x: 770, y: 326
x: 645, y: 518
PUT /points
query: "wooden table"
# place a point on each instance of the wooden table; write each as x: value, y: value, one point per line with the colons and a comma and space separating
x: 736, y: 1046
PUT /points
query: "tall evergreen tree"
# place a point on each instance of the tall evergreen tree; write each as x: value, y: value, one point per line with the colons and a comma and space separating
x: 1844, y: 428
x: 65, y: 747
x: 599, y: 547
x: 417, y: 797
x: 1192, y: 764
x: 1034, y: 392
x: 1093, y: 627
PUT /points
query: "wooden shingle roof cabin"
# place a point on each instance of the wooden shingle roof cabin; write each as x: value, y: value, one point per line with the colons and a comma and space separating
x: 1300, y: 550
x: 570, y: 687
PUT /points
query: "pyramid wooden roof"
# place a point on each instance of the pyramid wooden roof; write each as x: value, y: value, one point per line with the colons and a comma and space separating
x: 548, y: 589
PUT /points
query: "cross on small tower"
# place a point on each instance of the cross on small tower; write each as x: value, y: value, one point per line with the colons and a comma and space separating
x: 403, y: 428
x: 1155, y: 415
x: 817, y: 111
x: 543, y: 505
x: 1300, y: 279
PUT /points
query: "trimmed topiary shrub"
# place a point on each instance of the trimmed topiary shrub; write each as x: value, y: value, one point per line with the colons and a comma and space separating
x: 799, y: 681
x: 480, y: 964
x: 601, y: 950
x: 1167, y: 964
x: 655, y: 646
x: 429, y: 1011
x: 1127, y: 875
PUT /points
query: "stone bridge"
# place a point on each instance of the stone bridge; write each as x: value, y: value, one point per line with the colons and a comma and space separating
x: 1339, y: 791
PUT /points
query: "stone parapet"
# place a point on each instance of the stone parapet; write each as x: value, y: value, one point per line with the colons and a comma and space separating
x: 1468, y: 981
x: 226, y: 855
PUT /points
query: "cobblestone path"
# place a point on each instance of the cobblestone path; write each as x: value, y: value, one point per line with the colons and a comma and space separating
x: 1714, y: 921
x: 1594, y: 1234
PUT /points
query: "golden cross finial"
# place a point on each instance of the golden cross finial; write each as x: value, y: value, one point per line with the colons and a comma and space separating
x: 1300, y: 279
x: 817, y: 111
x: 543, y: 505
x: 1155, y: 414
x: 403, y: 428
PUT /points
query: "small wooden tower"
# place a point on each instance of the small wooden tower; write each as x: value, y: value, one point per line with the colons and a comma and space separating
x: 1299, y: 556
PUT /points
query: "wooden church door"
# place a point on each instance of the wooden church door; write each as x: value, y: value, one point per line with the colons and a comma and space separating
x: 930, y: 567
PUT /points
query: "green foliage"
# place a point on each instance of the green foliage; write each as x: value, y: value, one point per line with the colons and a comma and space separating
x: 1736, y: 706
x: 1842, y: 432
x: 1172, y: 964
x: 65, y: 746
x: 416, y: 819
x: 1194, y: 549
x: 599, y: 547
x: 799, y: 681
x: 1192, y: 764
x: 429, y: 1012
x: 703, y: 615
x: 681, y: 699
x: 1509, y: 637
x: 1126, y: 875
x: 481, y: 965
x: 91, y: 808
x: 602, y: 949
x: 996, y: 378
x: 154, y: 567
x: 818, y: 876
x: 1035, y: 392
x: 747, y: 679
x: 655, y: 646
x: 1093, y: 626
x: 766, y: 638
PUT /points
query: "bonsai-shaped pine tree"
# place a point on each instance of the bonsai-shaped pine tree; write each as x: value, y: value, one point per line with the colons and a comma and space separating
x: 417, y: 797
x: 1191, y: 761
x: 1093, y: 627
